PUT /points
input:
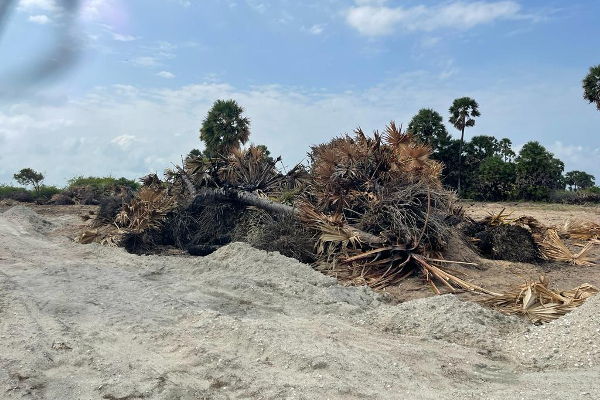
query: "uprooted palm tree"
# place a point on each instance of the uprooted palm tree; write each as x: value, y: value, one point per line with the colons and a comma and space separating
x: 462, y: 114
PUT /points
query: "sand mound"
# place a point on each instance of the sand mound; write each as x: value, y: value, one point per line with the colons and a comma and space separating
x: 450, y: 319
x: 570, y: 341
x: 25, y: 217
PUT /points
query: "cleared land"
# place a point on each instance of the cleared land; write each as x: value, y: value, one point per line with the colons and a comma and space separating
x: 93, y: 322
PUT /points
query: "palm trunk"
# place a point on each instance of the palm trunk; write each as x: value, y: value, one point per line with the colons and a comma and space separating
x: 250, y: 199
x: 462, y: 137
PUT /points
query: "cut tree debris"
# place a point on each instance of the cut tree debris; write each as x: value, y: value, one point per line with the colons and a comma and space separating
x: 366, y: 210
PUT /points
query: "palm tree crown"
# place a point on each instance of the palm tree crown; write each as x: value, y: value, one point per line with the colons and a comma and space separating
x: 591, y: 86
x: 462, y: 112
x: 224, y: 128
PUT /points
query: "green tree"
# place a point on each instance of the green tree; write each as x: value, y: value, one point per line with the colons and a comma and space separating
x: 537, y: 172
x: 194, y: 153
x: 428, y: 127
x: 579, y: 180
x: 495, y: 179
x: 224, y: 128
x: 506, y: 151
x: 591, y: 86
x: 28, y: 176
x: 462, y: 114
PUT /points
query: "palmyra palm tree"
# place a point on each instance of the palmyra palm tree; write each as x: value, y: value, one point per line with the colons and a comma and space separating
x: 591, y: 86
x: 462, y: 112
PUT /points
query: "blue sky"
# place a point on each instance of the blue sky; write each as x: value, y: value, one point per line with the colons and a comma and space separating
x: 121, y: 87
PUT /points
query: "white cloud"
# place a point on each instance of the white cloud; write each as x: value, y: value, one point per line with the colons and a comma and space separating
x: 35, y: 5
x: 39, y: 19
x: 166, y: 74
x: 374, y: 18
x: 123, y: 38
x: 583, y: 156
x: 93, y: 9
x: 124, y: 141
x: 316, y: 29
x: 146, y: 61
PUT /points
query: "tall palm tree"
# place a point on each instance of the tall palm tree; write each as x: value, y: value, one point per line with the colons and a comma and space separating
x: 591, y: 86
x: 462, y: 114
x: 224, y: 128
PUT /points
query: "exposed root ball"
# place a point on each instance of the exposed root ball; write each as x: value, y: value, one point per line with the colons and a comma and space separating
x: 508, y: 242
x: 275, y: 232
x: 109, y: 208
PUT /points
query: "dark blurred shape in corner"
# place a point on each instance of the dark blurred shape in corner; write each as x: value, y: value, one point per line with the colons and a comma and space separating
x: 47, y: 63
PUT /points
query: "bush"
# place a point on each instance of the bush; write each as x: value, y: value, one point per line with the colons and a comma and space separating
x: 586, y: 196
x: 101, y: 184
x: 47, y: 192
x: 6, y: 191
x: 22, y: 196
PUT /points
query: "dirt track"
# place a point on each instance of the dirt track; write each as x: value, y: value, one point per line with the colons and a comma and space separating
x: 92, y: 322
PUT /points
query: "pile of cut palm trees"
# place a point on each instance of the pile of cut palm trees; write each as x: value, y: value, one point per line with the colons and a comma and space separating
x: 371, y: 210
x: 374, y: 205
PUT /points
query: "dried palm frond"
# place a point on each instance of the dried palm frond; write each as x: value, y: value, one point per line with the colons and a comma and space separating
x: 537, y: 302
x: 582, y: 230
x: 89, y: 236
x: 498, y: 219
x: 249, y: 169
x: 148, y: 210
x: 553, y: 248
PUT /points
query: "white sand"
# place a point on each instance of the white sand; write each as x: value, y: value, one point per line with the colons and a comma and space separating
x: 243, y: 323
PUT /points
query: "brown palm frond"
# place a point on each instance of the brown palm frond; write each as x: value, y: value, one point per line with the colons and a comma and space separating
x: 146, y: 211
x: 553, y: 248
x: 582, y: 230
x: 501, y: 218
x: 538, y: 303
x: 395, y: 138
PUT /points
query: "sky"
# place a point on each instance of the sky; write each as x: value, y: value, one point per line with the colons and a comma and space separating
x: 119, y: 87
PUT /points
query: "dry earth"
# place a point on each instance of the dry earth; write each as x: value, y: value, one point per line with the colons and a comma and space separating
x: 92, y: 322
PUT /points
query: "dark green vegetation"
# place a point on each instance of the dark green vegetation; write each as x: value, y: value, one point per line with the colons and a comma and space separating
x: 28, y: 176
x: 224, y: 128
x: 591, y: 86
x: 101, y: 184
x: 79, y: 189
x: 489, y: 169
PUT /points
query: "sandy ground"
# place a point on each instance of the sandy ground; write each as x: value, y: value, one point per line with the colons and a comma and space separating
x: 92, y: 322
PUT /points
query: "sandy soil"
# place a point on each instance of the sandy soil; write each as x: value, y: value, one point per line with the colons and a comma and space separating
x: 92, y: 322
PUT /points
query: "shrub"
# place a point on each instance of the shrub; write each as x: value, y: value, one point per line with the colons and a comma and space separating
x: 587, y: 196
x: 22, y: 196
x: 6, y: 191
x: 101, y: 184
x: 47, y: 192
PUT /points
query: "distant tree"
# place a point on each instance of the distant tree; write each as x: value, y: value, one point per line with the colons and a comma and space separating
x: 506, y: 151
x: 591, y: 86
x: 483, y: 146
x: 579, y: 180
x: 28, y: 176
x: 194, y: 153
x: 224, y: 128
x: 537, y: 172
x: 428, y: 127
x: 462, y: 114
x: 495, y: 179
x: 570, y: 179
